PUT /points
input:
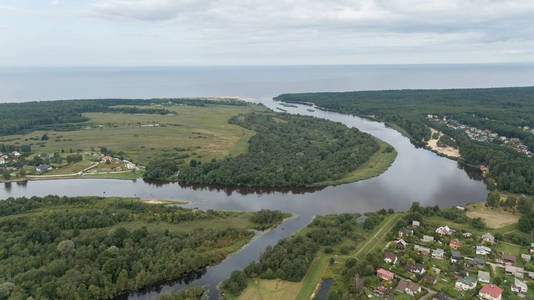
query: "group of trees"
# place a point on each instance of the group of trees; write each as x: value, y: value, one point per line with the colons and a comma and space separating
x: 290, y: 258
x: 17, y: 118
x: 502, y: 110
x: 93, y: 248
x: 287, y: 150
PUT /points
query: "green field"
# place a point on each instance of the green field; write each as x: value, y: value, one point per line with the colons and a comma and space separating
x: 203, y: 132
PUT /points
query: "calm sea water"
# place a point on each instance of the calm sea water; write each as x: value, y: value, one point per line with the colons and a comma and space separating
x: 25, y: 84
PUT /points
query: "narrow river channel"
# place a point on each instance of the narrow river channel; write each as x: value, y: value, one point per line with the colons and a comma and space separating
x: 416, y: 175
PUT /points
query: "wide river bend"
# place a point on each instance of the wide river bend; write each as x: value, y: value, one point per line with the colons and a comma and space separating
x: 416, y: 175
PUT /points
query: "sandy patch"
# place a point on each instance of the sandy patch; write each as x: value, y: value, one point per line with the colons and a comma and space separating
x: 492, y: 217
x: 156, y: 201
x: 433, y: 144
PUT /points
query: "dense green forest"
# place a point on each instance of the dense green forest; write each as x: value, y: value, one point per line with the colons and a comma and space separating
x: 17, y: 118
x: 93, y: 248
x: 501, y: 110
x: 290, y: 258
x: 287, y: 150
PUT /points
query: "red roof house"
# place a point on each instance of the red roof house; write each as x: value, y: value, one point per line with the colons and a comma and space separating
x: 490, y: 292
x: 455, y: 244
x: 385, y: 274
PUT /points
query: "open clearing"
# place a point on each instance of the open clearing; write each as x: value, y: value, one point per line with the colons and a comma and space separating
x: 271, y: 289
x: 433, y: 144
x: 492, y: 217
x: 203, y: 132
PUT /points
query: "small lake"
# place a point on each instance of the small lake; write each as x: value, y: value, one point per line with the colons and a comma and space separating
x: 416, y: 175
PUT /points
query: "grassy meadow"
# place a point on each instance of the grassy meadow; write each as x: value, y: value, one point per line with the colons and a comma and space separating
x: 203, y: 133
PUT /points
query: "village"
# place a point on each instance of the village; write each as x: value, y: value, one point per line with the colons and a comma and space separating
x: 484, y: 135
x: 26, y: 166
x: 444, y: 263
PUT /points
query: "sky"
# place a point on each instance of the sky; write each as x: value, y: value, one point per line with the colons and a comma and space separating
x: 264, y: 32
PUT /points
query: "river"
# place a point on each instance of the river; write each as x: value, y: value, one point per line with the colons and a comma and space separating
x: 416, y: 175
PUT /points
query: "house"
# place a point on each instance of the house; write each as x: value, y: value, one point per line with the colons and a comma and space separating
x: 390, y: 258
x: 467, y: 234
x: 455, y: 256
x: 466, y: 283
x: 532, y: 248
x: 519, y: 286
x: 385, y: 274
x: 415, y: 268
x: 455, y: 244
x: 490, y: 292
x: 430, y: 279
x: 408, y: 287
x: 16, y: 153
x: 525, y: 257
x: 477, y: 262
x: 380, y: 290
x: 441, y: 296
x: 438, y: 253
x: 444, y: 230
x: 2, y: 161
x: 130, y: 166
x: 43, y: 168
x: 401, y: 244
x: 531, y: 275
x: 508, y: 259
x: 422, y: 250
x: 427, y: 239
x: 436, y: 270
x: 106, y: 159
x: 515, y: 271
x: 484, y: 276
x: 488, y: 238
x: 416, y: 224
x: 482, y: 250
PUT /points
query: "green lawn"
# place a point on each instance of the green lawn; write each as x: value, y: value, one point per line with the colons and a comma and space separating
x: 314, y: 277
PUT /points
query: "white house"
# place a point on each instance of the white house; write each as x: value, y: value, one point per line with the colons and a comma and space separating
x: 427, y: 239
x: 484, y: 276
x: 438, y: 253
x: 482, y: 250
x: 445, y: 230
x: 519, y: 286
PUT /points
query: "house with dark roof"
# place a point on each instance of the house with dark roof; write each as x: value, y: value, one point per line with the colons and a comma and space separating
x: 455, y: 256
x: 408, y: 287
x: 466, y: 283
x: 430, y: 279
x: 43, y: 168
x: 416, y: 268
x: 508, y: 259
x: 390, y: 258
x: 401, y: 244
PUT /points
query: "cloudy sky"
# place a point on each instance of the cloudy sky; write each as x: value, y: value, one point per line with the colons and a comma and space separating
x: 264, y: 32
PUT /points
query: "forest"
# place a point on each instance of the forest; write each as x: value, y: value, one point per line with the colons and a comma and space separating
x: 502, y: 110
x: 287, y: 150
x: 19, y: 118
x: 93, y: 248
x: 291, y: 258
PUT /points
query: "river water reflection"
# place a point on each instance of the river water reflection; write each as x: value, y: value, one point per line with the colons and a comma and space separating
x: 416, y: 175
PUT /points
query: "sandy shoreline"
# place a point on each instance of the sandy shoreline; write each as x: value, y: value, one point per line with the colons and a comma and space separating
x: 433, y: 145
